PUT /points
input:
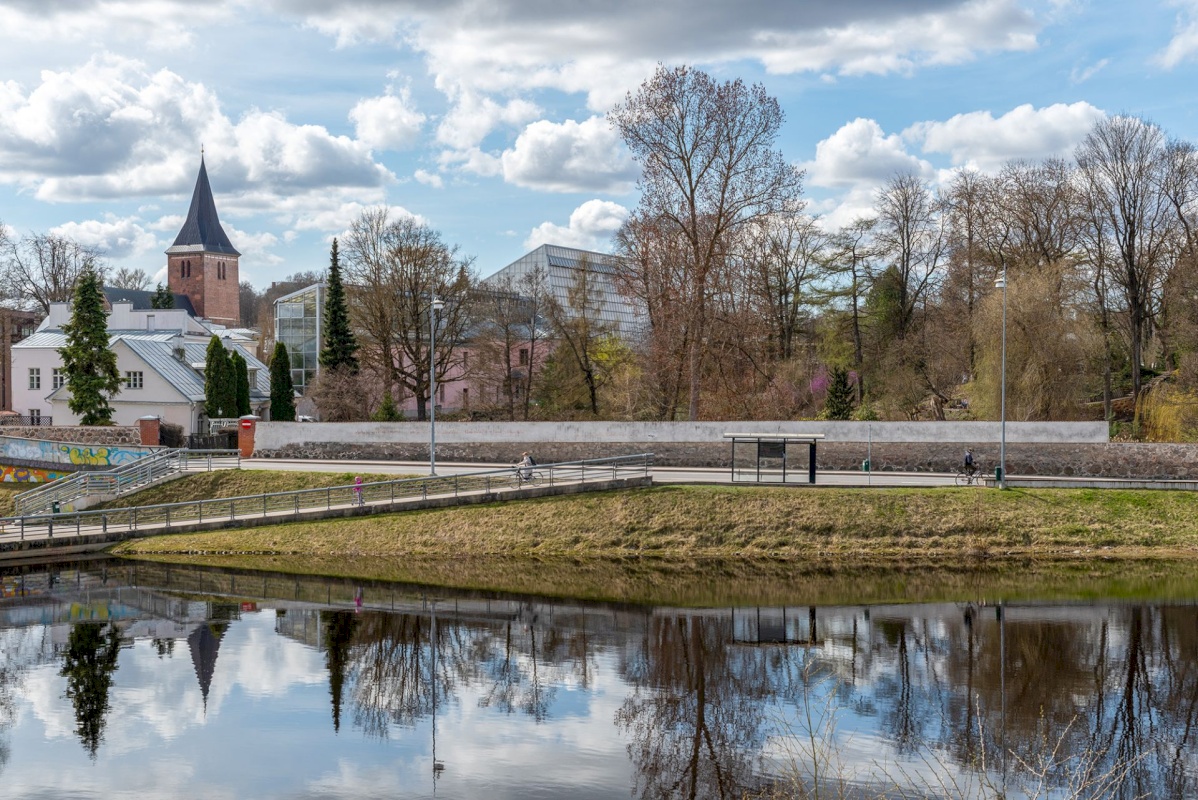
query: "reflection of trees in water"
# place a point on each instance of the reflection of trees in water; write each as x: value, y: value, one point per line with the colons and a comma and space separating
x: 695, y: 713
x: 1098, y: 706
x: 392, y: 664
x: 88, y: 664
x: 1086, y: 693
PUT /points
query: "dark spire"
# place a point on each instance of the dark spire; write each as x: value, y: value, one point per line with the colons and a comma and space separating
x: 202, y: 230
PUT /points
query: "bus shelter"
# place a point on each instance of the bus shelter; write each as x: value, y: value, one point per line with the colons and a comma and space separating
x: 773, y: 457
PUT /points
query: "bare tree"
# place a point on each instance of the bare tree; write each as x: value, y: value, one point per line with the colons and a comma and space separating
x: 40, y: 269
x: 394, y: 269
x: 910, y: 232
x: 129, y: 278
x: 1122, y: 160
x: 708, y: 168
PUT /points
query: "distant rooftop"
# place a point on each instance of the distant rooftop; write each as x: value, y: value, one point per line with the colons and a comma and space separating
x: 143, y: 299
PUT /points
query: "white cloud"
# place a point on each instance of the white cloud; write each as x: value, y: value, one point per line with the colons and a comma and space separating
x: 591, y: 227
x: 112, y: 129
x: 1083, y: 74
x: 428, y: 178
x: 861, y: 153
x: 115, y: 237
x: 979, y: 140
x: 388, y: 122
x: 882, y: 44
x: 570, y: 157
x: 338, y: 218
x: 474, y: 116
x: 1184, y: 43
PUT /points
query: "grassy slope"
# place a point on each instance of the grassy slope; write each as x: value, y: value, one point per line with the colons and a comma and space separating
x: 237, y: 483
x: 716, y: 522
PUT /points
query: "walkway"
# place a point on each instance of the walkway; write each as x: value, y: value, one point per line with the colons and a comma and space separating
x: 85, y: 531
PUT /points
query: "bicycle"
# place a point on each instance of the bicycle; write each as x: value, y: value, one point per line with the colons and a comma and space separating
x: 968, y: 476
x: 523, y: 476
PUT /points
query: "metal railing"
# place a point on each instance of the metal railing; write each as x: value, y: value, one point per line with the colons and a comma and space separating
x: 130, y: 477
x: 287, y: 504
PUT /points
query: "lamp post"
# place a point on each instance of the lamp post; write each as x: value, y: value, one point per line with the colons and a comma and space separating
x: 1001, y: 283
x: 438, y: 304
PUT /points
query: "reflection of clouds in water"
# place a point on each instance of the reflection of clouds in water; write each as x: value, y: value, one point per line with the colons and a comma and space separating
x: 265, y: 664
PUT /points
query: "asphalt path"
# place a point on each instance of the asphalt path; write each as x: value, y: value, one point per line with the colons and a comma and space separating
x: 660, y: 474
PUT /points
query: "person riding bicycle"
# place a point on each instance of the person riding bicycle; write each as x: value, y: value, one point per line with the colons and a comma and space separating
x: 525, y: 467
x: 970, y: 468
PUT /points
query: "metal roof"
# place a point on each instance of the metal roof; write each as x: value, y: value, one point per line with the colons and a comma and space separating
x: 201, y: 231
x: 561, y: 266
x: 143, y: 300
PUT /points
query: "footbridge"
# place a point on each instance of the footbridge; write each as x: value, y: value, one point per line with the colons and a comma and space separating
x: 34, y: 536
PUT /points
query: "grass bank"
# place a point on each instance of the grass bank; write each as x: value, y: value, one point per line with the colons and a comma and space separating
x: 704, y: 522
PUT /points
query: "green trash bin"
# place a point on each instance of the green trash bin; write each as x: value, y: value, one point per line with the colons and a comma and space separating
x: 54, y: 507
x: 998, y: 475
x: 865, y: 465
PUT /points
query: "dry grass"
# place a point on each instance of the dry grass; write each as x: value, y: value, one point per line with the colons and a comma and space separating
x: 739, y: 582
x: 743, y: 522
x: 237, y: 483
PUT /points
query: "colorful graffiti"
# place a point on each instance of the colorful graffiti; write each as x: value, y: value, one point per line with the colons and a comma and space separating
x: 10, y: 474
x: 68, y: 453
x: 99, y: 456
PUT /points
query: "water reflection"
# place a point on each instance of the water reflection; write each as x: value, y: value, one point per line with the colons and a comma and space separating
x: 467, y: 694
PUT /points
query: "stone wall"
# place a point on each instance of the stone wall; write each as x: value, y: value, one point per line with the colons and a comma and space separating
x: 1115, y: 460
x: 81, y: 434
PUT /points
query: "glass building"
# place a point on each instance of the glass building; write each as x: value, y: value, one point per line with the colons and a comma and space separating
x: 298, y: 323
x: 559, y: 268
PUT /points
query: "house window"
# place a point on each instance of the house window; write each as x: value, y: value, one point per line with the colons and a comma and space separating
x: 35, y: 416
x: 441, y: 394
x: 524, y: 356
x: 35, y: 378
x: 133, y: 380
x: 58, y: 378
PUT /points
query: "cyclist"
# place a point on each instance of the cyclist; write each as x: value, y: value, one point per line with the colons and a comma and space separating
x: 525, y: 467
x: 970, y: 468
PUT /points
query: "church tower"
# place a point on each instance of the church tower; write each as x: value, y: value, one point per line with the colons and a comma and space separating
x: 202, y: 263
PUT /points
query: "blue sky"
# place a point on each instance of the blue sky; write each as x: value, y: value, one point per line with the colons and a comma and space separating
x: 486, y: 118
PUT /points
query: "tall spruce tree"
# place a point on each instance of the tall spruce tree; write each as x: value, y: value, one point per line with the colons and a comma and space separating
x: 220, y: 382
x: 87, y: 360
x: 282, y: 391
x: 163, y: 297
x: 340, y: 345
x: 241, y: 375
x: 839, y: 402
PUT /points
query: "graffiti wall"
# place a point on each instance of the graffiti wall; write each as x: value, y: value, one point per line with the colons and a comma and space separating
x: 29, y: 474
x: 68, y: 454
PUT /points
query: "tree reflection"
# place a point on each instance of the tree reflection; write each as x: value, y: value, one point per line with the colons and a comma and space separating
x: 695, y: 713
x: 338, y: 636
x: 88, y: 664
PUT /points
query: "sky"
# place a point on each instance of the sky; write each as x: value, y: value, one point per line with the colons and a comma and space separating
x: 486, y: 119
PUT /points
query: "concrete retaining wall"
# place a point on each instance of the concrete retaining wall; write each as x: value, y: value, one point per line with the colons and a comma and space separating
x: 1072, y: 449
x: 274, y: 436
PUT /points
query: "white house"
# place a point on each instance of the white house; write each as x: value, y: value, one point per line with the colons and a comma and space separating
x: 160, y: 355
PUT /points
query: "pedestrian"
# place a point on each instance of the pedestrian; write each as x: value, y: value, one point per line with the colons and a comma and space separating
x: 358, y: 490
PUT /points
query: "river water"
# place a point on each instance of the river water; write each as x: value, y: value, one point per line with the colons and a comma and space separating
x: 121, y: 680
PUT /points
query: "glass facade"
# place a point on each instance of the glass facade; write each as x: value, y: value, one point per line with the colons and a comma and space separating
x: 297, y: 326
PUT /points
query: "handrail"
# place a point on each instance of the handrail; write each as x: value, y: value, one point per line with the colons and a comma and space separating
x: 291, y: 503
x: 137, y: 474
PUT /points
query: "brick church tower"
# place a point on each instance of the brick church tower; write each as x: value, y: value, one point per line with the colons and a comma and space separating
x: 202, y: 263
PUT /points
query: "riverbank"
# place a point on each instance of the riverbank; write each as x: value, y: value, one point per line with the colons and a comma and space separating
x: 880, y: 526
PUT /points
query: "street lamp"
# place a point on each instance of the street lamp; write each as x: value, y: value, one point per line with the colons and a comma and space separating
x: 438, y: 304
x: 1001, y: 283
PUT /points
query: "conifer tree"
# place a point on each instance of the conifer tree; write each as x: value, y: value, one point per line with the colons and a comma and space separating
x: 163, y: 297
x: 340, y: 345
x: 241, y: 375
x: 282, y: 391
x: 220, y: 382
x: 87, y: 360
x: 839, y: 402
